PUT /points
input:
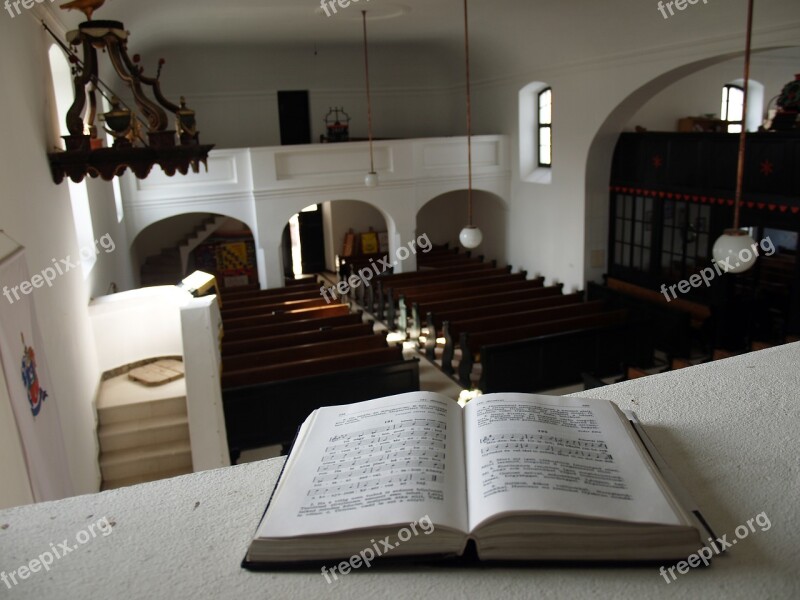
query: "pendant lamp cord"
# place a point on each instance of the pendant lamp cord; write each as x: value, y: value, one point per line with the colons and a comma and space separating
x: 743, y: 134
x: 469, y: 118
x: 369, y: 95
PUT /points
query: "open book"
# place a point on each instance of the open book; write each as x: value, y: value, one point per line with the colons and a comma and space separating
x: 526, y: 477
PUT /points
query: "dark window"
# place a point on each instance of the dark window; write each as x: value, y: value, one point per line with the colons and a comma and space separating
x: 545, y: 121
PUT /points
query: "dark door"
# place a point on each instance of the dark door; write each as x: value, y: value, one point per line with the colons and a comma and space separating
x: 295, y: 118
x: 312, y: 241
x: 286, y: 252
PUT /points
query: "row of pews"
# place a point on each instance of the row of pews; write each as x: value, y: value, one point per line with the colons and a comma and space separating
x: 509, y: 333
x: 286, y: 352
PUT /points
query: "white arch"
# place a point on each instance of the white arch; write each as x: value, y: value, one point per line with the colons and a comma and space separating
x: 601, y: 149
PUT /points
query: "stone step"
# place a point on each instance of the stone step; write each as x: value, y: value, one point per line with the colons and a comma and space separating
x: 138, y: 411
x: 126, y: 481
x: 143, y: 432
x: 156, y: 458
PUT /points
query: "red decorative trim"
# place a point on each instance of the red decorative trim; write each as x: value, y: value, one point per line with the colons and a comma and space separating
x: 698, y: 199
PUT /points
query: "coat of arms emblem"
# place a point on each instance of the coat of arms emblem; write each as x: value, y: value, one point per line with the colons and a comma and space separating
x: 36, y: 395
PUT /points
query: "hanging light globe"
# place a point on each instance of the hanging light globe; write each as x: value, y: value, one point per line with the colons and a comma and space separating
x: 734, y: 251
x: 371, y: 179
x: 470, y: 237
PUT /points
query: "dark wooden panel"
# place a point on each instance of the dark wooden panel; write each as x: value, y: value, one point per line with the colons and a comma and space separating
x: 296, y: 339
x: 544, y: 362
x: 265, y: 414
x: 290, y: 327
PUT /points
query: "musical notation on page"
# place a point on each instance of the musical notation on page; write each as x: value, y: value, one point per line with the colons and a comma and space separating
x: 546, y: 444
x: 411, y: 453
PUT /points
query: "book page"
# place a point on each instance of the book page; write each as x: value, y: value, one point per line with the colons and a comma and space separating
x: 558, y: 455
x: 379, y: 462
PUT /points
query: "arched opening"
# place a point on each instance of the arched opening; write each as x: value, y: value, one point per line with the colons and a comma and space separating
x: 690, y: 90
x: 303, y: 243
x: 352, y: 229
x: 443, y: 217
x: 170, y: 249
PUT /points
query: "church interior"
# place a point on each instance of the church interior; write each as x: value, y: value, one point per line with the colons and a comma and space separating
x: 341, y: 208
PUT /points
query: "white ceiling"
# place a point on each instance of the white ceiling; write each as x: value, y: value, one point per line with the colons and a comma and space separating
x: 281, y: 21
x: 507, y: 35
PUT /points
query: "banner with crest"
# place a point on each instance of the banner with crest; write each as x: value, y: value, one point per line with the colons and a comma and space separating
x: 33, y: 400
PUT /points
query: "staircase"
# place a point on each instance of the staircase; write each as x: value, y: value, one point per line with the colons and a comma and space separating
x: 143, y: 432
x: 169, y: 267
x: 200, y: 235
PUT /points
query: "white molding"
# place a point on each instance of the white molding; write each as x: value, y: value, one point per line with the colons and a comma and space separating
x: 730, y: 43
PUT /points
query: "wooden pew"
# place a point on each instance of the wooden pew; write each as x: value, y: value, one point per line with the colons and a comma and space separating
x: 673, y: 326
x: 240, y: 295
x: 456, y: 256
x: 261, y: 414
x: 454, y: 253
x: 453, y: 330
x: 464, y: 285
x: 250, y: 287
x: 481, y: 306
x: 471, y: 344
x: 552, y: 360
x: 429, y: 274
x: 461, y: 281
x: 311, y: 324
x: 528, y: 291
x: 274, y: 357
x: 441, y: 251
x: 257, y: 320
x: 478, y: 306
x: 235, y: 313
x: 483, y: 288
x: 300, y: 338
x: 434, y: 273
x: 273, y: 298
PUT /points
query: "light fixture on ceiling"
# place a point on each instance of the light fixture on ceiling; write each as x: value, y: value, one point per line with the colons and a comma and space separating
x: 470, y: 236
x: 371, y: 179
x: 728, y: 249
x: 84, y: 154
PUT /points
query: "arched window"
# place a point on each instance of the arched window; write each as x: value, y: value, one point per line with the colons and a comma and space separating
x: 732, y: 107
x: 79, y: 197
x: 545, y: 124
x: 536, y: 133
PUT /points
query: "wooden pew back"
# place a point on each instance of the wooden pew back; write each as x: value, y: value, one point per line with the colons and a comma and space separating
x: 277, y: 356
x: 259, y: 309
x: 331, y: 310
x: 309, y: 367
x: 290, y: 327
x: 299, y: 338
x: 545, y: 297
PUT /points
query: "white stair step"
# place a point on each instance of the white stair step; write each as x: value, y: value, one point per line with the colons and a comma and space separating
x: 137, y: 411
x: 143, y: 432
x: 133, y: 462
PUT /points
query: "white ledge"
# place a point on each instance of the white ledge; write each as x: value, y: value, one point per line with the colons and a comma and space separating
x: 729, y: 429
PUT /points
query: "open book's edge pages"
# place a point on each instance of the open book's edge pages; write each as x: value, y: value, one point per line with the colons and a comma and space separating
x: 295, y: 451
x: 673, y: 486
x: 564, y: 456
x: 373, y: 464
x: 652, y: 467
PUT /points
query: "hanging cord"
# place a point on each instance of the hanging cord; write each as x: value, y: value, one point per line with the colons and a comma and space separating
x: 743, y: 134
x: 369, y: 95
x: 469, y: 118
